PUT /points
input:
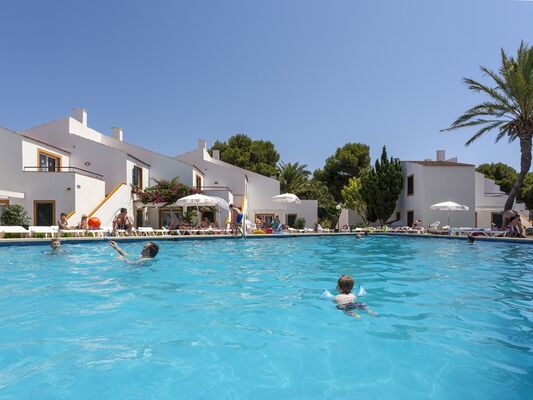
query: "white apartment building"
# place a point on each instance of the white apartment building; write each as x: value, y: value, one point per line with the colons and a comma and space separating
x: 41, y: 178
x: 427, y: 182
x: 235, y: 184
x: 66, y: 166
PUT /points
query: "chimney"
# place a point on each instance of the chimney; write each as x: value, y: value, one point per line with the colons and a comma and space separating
x: 441, y: 155
x: 216, y: 154
x: 80, y: 115
x: 202, y: 144
x: 118, y: 133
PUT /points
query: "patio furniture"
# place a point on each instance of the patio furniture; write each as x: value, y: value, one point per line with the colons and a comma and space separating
x: 14, y: 229
x: 45, y: 230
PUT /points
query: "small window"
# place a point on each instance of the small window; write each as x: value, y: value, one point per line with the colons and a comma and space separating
x: 410, y: 218
x: 3, y: 204
x: 496, y: 219
x: 44, y: 212
x: 410, y: 185
x: 48, y: 162
x: 198, y: 182
x: 398, y: 215
x: 291, y: 219
x: 137, y: 177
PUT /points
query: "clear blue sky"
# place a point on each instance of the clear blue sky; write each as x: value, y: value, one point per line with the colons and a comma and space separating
x: 307, y: 75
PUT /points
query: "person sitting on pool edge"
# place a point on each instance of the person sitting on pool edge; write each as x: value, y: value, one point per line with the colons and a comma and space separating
x: 346, y: 300
x: 148, y: 252
x: 123, y: 222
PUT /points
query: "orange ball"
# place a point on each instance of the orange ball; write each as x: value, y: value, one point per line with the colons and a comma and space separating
x: 94, y: 222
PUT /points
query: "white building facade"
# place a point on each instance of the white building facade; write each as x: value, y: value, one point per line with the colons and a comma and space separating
x: 66, y: 166
x: 427, y: 182
x: 247, y: 189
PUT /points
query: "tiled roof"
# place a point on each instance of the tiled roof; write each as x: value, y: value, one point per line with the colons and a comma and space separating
x: 431, y: 163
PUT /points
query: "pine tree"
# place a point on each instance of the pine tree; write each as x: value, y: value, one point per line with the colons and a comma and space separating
x: 381, y: 188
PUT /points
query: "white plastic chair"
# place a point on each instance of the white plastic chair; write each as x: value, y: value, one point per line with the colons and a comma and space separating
x: 434, y: 225
x: 14, y: 229
x: 46, y: 230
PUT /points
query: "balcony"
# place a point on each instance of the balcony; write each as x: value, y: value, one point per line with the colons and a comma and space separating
x: 74, y: 170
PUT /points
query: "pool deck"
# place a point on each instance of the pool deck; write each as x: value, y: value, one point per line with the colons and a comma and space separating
x: 76, y: 240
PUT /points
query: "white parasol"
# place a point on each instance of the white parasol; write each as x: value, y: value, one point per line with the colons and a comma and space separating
x: 449, y: 206
x: 286, y: 198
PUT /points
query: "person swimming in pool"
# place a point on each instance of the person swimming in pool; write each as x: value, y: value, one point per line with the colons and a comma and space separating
x: 347, y: 301
x: 148, y: 252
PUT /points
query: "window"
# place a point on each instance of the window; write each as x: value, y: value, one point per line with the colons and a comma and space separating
x: 48, y: 162
x: 410, y: 185
x: 44, y: 212
x: 170, y: 217
x: 266, y: 218
x: 291, y: 218
x: 3, y: 204
x: 398, y: 215
x: 139, y: 218
x: 137, y: 177
x: 410, y: 218
x: 496, y: 219
x: 198, y: 182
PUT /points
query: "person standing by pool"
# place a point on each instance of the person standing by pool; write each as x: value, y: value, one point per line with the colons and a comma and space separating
x: 148, y: 252
x: 122, y: 221
x: 235, y: 220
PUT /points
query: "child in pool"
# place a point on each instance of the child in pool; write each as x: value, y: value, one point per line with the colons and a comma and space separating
x: 346, y: 300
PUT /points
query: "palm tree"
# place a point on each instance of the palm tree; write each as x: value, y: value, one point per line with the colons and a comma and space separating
x: 509, y: 108
x: 293, y: 178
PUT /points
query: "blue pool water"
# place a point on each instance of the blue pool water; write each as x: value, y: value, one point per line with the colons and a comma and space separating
x: 234, y: 319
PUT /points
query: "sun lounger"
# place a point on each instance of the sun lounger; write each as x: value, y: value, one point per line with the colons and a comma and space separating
x: 75, y: 232
x: 149, y: 231
x: 14, y: 229
x: 45, y: 230
x: 101, y: 232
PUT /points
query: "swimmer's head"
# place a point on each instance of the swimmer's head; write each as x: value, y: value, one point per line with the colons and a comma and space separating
x: 345, y: 284
x: 150, y: 250
x: 55, y: 244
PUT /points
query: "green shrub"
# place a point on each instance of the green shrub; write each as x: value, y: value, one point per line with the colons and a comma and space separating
x: 299, y: 223
x: 15, y: 215
x: 12, y: 235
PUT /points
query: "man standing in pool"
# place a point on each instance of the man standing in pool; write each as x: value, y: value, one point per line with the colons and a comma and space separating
x: 148, y: 252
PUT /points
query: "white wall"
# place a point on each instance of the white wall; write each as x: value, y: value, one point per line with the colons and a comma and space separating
x: 30, y: 154
x: 161, y: 166
x: 434, y: 185
x: 308, y: 210
x: 16, y: 152
x: 259, y: 189
x: 120, y: 198
x: 84, y: 153
x: 89, y: 193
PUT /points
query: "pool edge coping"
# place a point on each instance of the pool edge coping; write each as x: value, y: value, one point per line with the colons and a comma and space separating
x: 78, y: 240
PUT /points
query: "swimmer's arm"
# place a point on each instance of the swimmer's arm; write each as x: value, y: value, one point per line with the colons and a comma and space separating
x: 114, y: 245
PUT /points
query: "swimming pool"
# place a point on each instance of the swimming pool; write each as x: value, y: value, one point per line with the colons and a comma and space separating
x: 241, y: 319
